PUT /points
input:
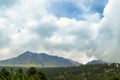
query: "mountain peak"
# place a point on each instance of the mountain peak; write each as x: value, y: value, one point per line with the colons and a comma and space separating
x: 96, y: 62
x: 27, y: 53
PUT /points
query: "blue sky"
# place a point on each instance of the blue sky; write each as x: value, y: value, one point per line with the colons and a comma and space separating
x: 81, y: 30
x: 66, y: 9
x: 72, y: 10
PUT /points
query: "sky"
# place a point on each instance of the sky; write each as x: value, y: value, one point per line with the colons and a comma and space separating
x: 81, y: 30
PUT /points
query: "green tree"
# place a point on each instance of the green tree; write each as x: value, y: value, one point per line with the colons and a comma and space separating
x: 4, y: 74
x: 41, y: 75
x: 31, y: 71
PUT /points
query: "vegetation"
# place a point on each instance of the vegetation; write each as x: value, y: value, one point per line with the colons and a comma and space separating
x: 30, y: 74
x: 83, y: 72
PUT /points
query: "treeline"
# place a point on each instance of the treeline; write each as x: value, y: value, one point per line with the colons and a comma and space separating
x: 85, y: 72
x: 29, y: 74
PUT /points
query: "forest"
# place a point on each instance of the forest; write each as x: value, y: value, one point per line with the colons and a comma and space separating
x: 82, y: 72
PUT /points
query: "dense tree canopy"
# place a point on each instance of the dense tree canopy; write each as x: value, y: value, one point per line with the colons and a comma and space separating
x: 30, y: 74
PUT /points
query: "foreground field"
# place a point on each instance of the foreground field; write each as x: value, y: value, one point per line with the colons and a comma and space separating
x: 83, y: 72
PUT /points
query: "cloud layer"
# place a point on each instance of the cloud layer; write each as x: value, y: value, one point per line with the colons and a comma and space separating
x: 76, y: 29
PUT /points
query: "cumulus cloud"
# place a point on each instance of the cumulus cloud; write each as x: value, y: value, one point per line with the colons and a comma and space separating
x: 4, y: 41
x: 72, y: 29
x: 108, y: 39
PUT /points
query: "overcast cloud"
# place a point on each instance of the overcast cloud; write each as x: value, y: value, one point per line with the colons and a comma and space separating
x: 75, y: 29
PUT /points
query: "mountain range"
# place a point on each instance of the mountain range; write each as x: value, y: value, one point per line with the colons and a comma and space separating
x: 38, y: 60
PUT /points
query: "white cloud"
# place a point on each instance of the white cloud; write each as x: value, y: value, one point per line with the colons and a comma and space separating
x: 30, y: 26
x: 108, y: 39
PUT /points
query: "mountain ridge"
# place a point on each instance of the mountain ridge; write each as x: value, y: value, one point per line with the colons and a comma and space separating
x: 40, y: 60
x: 96, y: 62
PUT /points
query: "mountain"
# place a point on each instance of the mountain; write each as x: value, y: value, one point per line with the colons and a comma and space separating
x: 97, y: 62
x: 38, y: 60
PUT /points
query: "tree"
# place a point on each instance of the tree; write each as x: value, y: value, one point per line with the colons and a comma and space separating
x: 20, y: 71
x: 41, y: 75
x: 114, y: 78
x: 31, y: 71
x: 4, y: 74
